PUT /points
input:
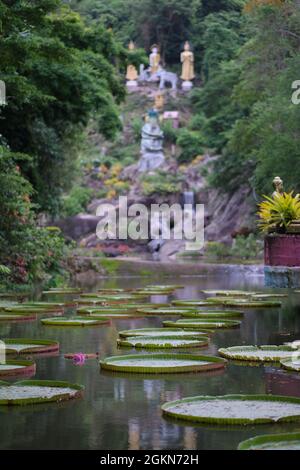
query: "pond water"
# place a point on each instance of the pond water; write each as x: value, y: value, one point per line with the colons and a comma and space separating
x: 121, y: 411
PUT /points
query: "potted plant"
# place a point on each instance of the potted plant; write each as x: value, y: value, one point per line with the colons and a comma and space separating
x: 280, y: 214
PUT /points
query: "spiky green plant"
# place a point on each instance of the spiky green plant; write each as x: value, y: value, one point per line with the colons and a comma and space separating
x: 279, y: 212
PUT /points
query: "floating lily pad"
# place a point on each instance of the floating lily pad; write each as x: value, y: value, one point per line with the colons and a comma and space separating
x: 202, y: 323
x: 16, y: 368
x: 164, y: 311
x: 16, y: 317
x: 30, y: 346
x: 115, y: 315
x: 268, y: 296
x: 149, y: 292
x: 291, y: 363
x: 166, y: 332
x: 290, y: 441
x: 163, y: 342
x: 235, y: 409
x: 65, y: 291
x: 213, y: 314
x: 35, y: 308
x: 38, y: 391
x: 108, y: 298
x: 75, y: 321
x: 230, y: 293
x: 191, y: 303
x: 162, y: 363
x: 245, y: 303
x: 255, y: 353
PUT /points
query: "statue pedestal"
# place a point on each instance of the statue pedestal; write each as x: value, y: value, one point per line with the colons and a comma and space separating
x: 132, y: 85
x: 282, y: 260
x: 187, y: 85
x: 151, y: 161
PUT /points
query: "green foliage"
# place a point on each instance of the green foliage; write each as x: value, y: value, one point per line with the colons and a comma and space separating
x: 170, y: 133
x: 261, y: 134
x: 76, y: 201
x: 161, y: 183
x: 246, y: 248
x: 191, y: 145
x: 59, y: 73
x: 27, y: 251
x: 279, y: 212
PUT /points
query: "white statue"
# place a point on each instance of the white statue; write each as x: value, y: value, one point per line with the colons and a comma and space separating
x: 152, y: 156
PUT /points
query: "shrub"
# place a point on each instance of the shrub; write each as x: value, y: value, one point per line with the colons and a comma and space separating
x: 76, y: 201
x: 191, y: 144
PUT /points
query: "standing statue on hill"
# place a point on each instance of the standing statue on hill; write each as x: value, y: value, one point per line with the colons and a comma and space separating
x: 188, y: 72
x: 154, y: 59
x: 152, y: 156
x: 132, y: 74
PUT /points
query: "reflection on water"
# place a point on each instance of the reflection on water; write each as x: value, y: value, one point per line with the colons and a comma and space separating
x: 122, y: 411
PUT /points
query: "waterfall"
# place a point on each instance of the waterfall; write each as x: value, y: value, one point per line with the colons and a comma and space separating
x: 188, y: 197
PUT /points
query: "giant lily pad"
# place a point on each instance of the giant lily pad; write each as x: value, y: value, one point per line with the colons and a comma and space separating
x: 16, y: 368
x: 255, y: 353
x: 213, y: 314
x: 268, y: 296
x: 75, y: 321
x: 291, y: 363
x: 245, y: 303
x: 200, y: 324
x: 192, y: 303
x: 16, y: 317
x: 64, y: 291
x: 38, y: 391
x: 30, y: 346
x: 229, y: 293
x: 115, y: 315
x: 163, y: 342
x: 166, y: 332
x: 162, y: 363
x: 235, y: 409
x: 290, y: 441
x: 164, y: 311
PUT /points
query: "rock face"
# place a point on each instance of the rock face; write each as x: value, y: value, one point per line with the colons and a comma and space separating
x: 228, y: 214
x: 78, y: 226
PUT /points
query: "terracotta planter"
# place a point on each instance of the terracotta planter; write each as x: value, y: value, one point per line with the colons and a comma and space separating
x: 282, y: 250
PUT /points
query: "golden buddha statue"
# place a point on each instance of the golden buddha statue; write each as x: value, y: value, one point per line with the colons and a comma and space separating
x: 154, y: 59
x: 132, y: 73
x: 187, y: 60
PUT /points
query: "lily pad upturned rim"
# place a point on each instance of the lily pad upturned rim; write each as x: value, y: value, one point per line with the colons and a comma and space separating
x: 62, y: 291
x: 75, y: 321
x: 161, y: 331
x: 206, y: 323
x: 43, y: 383
x: 228, y: 352
x: 287, y: 364
x: 26, y: 368
x: 46, y: 345
x: 191, y: 303
x: 214, y: 314
x: 17, y: 317
x: 201, y: 342
x: 223, y: 420
x: 268, y: 438
x: 163, y: 311
x: 214, y: 363
x: 244, y: 303
x: 229, y: 293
